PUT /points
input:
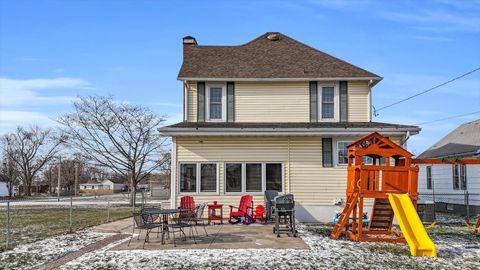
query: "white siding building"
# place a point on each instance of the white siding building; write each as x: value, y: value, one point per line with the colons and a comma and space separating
x: 452, y: 187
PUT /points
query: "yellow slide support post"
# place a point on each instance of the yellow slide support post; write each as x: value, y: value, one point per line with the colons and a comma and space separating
x: 412, y: 228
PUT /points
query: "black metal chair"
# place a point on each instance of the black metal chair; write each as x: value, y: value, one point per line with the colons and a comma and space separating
x: 141, y: 223
x: 269, y: 204
x: 179, y: 224
x: 198, y: 219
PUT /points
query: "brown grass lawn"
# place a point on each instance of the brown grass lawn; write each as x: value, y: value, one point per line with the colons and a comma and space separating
x: 30, y: 224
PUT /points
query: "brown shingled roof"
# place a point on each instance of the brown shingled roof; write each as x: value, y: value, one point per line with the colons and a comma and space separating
x: 266, y: 58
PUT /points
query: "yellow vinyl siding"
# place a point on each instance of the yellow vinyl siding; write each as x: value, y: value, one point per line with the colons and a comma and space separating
x: 283, y: 101
x: 358, y: 101
x: 192, y: 102
x: 272, y: 102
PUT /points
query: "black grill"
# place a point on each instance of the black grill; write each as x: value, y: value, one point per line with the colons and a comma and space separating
x: 284, y: 208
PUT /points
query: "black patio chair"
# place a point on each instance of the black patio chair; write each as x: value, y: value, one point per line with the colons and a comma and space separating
x: 141, y: 223
x: 198, y: 219
x: 269, y: 204
x: 179, y: 224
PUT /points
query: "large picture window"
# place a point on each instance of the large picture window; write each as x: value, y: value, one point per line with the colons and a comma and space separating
x: 253, y: 177
x: 273, y: 176
x: 198, y: 178
x: 188, y: 178
x: 208, y: 179
x: 233, y: 177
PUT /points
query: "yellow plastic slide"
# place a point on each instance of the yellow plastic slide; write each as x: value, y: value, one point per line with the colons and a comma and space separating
x: 412, y: 228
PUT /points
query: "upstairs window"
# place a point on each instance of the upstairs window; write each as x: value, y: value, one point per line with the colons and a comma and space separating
x: 328, y: 102
x: 216, y: 105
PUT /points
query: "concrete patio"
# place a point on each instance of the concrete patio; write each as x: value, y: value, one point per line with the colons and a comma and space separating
x: 226, y: 236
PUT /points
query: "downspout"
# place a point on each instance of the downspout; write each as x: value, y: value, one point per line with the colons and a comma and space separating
x: 185, y: 101
x: 289, y: 180
x: 406, y: 137
x: 173, y: 175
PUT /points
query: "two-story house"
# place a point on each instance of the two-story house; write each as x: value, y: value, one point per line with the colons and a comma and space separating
x: 272, y: 114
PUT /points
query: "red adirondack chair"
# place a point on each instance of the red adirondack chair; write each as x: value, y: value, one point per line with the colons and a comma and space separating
x: 187, y: 202
x: 259, y: 213
x: 244, y: 210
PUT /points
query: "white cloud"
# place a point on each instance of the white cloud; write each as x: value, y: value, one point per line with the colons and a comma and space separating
x: 32, y: 91
x: 10, y: 119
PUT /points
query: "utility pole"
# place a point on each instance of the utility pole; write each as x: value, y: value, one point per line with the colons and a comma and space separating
x: 59, y: 176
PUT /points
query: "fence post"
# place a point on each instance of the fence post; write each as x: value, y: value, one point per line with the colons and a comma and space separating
x: 108, y: 211
x: 7, y: 244
x: 467, y: 202
x: 143, y: 198
x: 71, y: 210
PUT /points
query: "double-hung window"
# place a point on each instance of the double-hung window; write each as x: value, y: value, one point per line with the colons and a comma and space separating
x: 198, y: 178
x: 342, y: 153
x: 456, y: 176
x: 254, y: 177
x: 429, y: 177
x: 328, y: 102
x: 216, y: 102
x: 461, y: 175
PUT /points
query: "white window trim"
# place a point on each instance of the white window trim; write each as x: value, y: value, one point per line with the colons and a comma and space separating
x: 244, y: 174
x: 336, y: 102
x: 198, y: 179
x: 335, y: 152
x: 224, y: 102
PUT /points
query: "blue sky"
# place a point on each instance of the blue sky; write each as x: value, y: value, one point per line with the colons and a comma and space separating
x: 53, y: 51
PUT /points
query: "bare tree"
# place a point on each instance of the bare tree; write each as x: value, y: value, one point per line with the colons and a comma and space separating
x: 30, y: 149
x: 118, y: 136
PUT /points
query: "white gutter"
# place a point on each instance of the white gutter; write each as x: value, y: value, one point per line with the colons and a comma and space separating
x: 284, y: 79
x: 278, y: 132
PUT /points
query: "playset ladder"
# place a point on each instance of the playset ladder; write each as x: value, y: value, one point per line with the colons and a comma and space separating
x: 382, y: 215
x: 344, y: 217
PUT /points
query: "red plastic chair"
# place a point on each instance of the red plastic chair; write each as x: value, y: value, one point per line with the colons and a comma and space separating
x: 187, y: 202
x: 244, y: 210
x: 259, y: 213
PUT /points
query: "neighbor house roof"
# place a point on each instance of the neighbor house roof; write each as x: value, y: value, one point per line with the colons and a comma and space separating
x: 272, y: 55
x: 464, y: 141
x: 294, y: 128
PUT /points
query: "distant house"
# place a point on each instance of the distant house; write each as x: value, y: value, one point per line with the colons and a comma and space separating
x: 105, y: 186
x: 3, y: 188
x: 448, y: 185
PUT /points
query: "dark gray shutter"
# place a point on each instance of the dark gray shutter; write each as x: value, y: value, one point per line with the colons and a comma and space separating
x: 313, y: 102
x: 230, y: 101
x: 343, y: 101
x: 201, y: 102
x: 327, y: 152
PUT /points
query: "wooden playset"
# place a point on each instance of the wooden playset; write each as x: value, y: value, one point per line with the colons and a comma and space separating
x: 383, y: 174
x: 388, y: 171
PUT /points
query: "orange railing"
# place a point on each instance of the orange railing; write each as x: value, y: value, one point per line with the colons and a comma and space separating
x: 376, y: 181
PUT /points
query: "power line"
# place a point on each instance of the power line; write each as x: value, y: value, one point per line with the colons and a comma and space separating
x: 447, y: 118
x: 425, y: 91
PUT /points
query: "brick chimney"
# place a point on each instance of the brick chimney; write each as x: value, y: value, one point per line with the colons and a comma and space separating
x: 188, y: 41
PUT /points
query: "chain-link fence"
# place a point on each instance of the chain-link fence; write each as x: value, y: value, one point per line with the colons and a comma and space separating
x: 25, y: 220
x: 450, y: 208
